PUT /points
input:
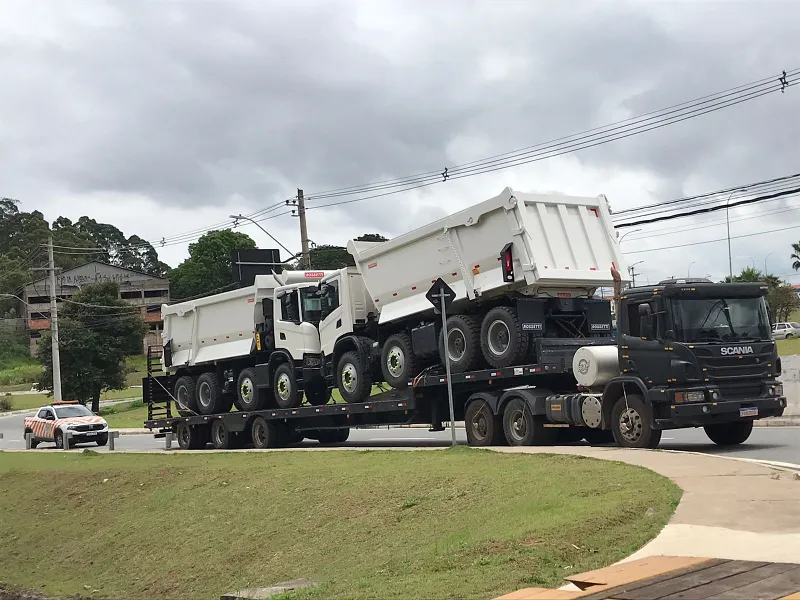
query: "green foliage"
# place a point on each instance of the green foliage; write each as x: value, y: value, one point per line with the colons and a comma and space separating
x: 13, y: 346
x: 795, y: 256
x: 752, y: 275
x: 6, y: 402
x: 96, y: 331
x: 783, y: 301
x: 330, y: 258
x: 209, y: 264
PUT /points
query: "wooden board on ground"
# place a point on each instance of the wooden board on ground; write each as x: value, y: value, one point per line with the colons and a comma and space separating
x: 678, y: 578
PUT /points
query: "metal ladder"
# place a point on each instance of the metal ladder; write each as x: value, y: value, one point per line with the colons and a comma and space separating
x: 159, y: 401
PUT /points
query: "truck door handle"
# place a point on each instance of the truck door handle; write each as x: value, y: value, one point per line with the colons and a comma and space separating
x: 283, y: 336
x: 339, y: 323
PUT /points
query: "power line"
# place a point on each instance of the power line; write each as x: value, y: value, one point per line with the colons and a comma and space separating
x: 733, y: 237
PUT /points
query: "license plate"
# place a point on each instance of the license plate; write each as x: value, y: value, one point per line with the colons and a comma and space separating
x: 91, y: 433
x: 748, y: 412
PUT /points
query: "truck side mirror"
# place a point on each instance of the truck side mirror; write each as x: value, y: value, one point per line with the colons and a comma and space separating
x: 645, y: 321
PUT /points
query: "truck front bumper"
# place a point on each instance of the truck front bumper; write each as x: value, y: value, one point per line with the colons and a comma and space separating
x: 700, y: 414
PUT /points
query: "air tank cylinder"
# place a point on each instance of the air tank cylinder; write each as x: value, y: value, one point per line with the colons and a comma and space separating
x: 594, y: 366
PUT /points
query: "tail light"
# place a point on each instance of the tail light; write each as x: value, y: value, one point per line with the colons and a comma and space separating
x: 507, y: 261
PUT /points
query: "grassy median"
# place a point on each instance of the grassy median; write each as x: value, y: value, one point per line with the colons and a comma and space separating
x: 453, y: 523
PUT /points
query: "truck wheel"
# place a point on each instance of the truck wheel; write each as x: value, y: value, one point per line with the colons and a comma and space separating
x: 463, y: 343
x: 220, y: 436
x: 190, y: 438
x: 317, y: 392
x: 503, y: 342
x: 185, y: 396
x: 352, y: 379
x: 398, y: 361
x: 483, y: 427
x: 209, y: 394
x: 631, y: 423
x: 729, y: 434
x: 264, y: 433
x: 248, y: 397
x: 521, y: 428
x: 286, y: 394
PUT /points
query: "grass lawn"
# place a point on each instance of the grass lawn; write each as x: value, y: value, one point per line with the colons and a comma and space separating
x: 16, y: 373
x: 454, y: 523
x: 125, y: 416
x: 788, y: 347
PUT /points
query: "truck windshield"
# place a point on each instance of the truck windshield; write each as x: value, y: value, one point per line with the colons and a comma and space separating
x: 312, y: 306
x: 720, y: 319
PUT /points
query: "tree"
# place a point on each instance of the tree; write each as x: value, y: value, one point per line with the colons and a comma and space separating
x: 752, y: 275
x: 782, y: 301
x: 795, y: 256
x: 209, y: 264
x: 327, y: 257
x: 96, y: 331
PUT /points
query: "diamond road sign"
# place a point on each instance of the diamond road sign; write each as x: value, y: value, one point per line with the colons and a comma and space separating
x: 441, y: 291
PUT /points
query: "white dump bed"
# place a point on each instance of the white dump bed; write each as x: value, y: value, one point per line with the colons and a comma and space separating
x: 561, y: 244
x: 222, y: 326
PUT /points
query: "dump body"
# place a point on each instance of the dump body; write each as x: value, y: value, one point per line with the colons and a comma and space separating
x: 221, y: 326
x: 561, y: 244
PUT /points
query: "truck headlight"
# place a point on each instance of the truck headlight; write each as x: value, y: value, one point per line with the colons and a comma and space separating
x: 776, y: 389
x: 695, y: 396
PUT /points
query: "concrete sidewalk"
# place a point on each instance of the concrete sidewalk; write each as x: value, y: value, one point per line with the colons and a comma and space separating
x: 730, y: 509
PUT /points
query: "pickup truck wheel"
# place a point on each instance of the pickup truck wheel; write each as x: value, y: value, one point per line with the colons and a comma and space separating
x: 398, y: 361
x: 209, y: 394
x: 483, y: 427
x: 503, y: 342
x: 352, y: 379
x: 59, y: 440
x: 463, y: 344
x: 248, y: 397
x: 729, y: 434
x: 185, y: 396
x: 631, y: 421
x: 286, y: 394
x: 521, y: 428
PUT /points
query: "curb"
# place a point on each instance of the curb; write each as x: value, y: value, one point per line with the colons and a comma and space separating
x: 132, y: 431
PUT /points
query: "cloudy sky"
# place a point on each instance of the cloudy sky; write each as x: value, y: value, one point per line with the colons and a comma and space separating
x: 164, y: 117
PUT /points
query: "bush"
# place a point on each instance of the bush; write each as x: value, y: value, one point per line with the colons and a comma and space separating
x: 5, y: 403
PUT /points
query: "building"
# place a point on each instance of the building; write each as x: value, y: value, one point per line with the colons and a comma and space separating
x: 139, y: 289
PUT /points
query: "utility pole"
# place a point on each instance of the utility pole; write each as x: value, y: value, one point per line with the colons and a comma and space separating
x: 54, y: 323
x: 632, y: 272
x: 301, y: 213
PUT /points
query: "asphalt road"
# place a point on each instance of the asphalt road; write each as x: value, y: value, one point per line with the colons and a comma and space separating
x: 781, y: 444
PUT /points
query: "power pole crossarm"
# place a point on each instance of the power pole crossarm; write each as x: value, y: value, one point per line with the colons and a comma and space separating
x: 54, y: 323
x: 301, y: 213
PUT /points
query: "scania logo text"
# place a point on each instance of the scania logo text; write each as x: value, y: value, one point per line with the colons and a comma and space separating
x: 727, y: 351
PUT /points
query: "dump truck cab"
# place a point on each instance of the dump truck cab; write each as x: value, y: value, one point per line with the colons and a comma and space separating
x: 700, y: 354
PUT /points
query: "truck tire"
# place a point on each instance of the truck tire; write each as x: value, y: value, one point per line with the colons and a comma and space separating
x: 209, y: 394
x: 631, y: 420
x: 463, y: 343
x: 503, y: 342
x: 226, y: 402
x: 317, y: 392
x: 483, y: 427
x: 729, y: 434
x: 285, y: 382
x: 185, y: 396
x: 190, y: 438
x: 264, y: 433
x: 352, y: 378
x: 248, y: 396
x: 398, y: 361
x: 521, y: 428
x: 221, y: 437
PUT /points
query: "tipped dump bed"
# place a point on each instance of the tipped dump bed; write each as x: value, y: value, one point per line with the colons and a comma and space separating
x: 222, y: 325
x: 560, y: 244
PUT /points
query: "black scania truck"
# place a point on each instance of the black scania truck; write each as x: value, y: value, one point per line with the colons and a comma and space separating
x: 687, y: 353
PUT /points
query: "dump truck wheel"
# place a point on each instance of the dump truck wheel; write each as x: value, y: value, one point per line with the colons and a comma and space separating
x: 185, y: 396
x: 483, y: 427
x: 352, y: 378
x: 463, y: 343
x: 729, y: 434
x: 209, y: 395
x: 503, y: 342
x: 631, y: 423
x: 248, y: 396
x: 317, y: 392
x: 285, y: 382
x: 398, y: 361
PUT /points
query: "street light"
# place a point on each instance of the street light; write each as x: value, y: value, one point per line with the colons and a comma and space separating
x: 622, y: 237
x: 728, y: 221
x: 766, y: 272
x: 243, y: 218
x: 689, y: 269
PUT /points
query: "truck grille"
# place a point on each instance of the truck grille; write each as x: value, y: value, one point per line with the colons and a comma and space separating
x: 737, y: 377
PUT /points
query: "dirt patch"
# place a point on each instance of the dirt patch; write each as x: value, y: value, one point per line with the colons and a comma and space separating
x: 13, y: 593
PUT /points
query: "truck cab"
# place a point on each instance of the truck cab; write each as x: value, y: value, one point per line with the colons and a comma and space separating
x: 700, y: 354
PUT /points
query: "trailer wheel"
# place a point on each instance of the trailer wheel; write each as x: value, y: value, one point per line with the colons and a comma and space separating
x: 398, y: 361
x: 729, y: 434
x: 185, y: 396
x: 352, y: 378
x: 317, y: 392
x: 521, y: 428
x: 503, y: 342
x: 264, y: 433
x: 631, y: 423
x: 248, y: 396
x: 209, y: 394
x: 483, y: 427
x: 463, y: 344
x: 190, y: 438
x: 221, y: 437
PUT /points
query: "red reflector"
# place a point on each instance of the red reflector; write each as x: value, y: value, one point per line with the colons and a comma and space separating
x: 395, y: 294
x: 413, y: 287
x: 453, y: 273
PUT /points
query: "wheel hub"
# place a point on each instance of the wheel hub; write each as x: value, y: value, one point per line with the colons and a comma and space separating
x: 630, y: 425
x: 498, y: 337
x: 205, y: 394
x: 246, y: 389
x: 283, y: 386
x: 519, y: 427
x: 396, y: 362
x: 480, y: 426
x: 456, y: 344
x: 349, y: 378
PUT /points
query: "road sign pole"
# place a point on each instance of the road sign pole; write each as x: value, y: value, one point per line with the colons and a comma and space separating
x: 442, y: 295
